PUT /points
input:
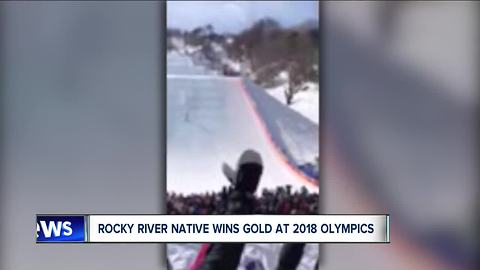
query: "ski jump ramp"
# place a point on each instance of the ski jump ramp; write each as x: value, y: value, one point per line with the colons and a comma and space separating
x: 212, y: 119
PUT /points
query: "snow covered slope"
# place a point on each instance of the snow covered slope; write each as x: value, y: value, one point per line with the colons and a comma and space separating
x: 305, y: 102
x: 295, y: 136
x: 209, y: 121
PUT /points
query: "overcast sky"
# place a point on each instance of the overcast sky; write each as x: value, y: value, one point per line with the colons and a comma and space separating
x: 234, y: 16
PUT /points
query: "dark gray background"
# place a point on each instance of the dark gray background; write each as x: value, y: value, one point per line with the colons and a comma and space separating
x: 81, y: 126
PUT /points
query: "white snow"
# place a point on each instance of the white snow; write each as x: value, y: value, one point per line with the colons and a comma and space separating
x: 209, y: 122
x: 283, y: 76
x: 306, y: 102
x: 294, y: 134
x: 234, y: 65
x: 178, y: 43
x: 217, y: 48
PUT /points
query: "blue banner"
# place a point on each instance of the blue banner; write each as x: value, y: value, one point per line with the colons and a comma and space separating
x: 61, y: 229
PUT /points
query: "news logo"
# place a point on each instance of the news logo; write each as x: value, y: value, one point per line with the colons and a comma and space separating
x: 61, y: 229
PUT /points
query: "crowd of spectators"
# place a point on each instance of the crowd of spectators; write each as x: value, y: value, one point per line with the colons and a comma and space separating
x: 281, y: 200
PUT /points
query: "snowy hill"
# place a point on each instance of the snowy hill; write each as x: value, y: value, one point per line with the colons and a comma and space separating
x: 211, y: 119
x: 305, y: 102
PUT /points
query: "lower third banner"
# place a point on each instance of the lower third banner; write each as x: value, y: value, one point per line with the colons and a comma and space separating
x: 213, y: 228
